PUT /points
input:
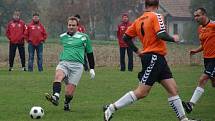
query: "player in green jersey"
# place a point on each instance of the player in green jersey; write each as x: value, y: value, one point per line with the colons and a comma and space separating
x: 70, y: 67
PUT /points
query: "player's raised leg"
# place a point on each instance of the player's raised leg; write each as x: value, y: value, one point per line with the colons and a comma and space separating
x: 129, y: 98
x: 59, y: 76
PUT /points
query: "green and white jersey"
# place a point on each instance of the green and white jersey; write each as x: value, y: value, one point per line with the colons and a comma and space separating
x: 74, y: 47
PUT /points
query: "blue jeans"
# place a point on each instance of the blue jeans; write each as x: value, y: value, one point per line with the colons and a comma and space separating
x: 39, y: 50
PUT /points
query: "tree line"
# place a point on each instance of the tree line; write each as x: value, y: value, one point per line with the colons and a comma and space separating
x: 99, y: 16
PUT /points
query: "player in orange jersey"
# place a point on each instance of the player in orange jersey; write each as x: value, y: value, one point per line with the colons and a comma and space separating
x: 151, y: 31
x: 206, y: 33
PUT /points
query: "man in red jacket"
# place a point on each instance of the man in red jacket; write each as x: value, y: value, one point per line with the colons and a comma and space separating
x: 80, y: 28
x: 122, y: 27
x: 36, y: 36
x: 15, y: 33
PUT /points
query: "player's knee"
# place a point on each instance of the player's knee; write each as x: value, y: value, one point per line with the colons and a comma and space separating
x: 173, y: 93
x: 141, y: 94
x: 69, y: 91
x: 202, y: 82
x: 59, y: 77
x: 203, y: 79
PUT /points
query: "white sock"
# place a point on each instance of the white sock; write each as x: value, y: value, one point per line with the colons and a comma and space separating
x: 175, y: 103
x: 57, y: 94
x: 127, y: 99
x: 197, y: 94
x: 112, y: 108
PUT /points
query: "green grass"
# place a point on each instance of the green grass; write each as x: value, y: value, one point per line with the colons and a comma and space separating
x: 19, y: 91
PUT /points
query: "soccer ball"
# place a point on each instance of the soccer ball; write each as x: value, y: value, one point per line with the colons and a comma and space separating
x: 36, y: 112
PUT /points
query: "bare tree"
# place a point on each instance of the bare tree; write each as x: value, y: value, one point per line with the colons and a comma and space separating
x: 99, y: 16
x: 7, y: 8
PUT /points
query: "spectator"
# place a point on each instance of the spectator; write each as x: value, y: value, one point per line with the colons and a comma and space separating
x: 15, y: 33
x: 36, y: 36
x: 81, y: 27
x: 122, y: 27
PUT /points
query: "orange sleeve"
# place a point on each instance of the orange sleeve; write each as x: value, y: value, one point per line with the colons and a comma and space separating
x: 158, y: 22
x: 131, y: 31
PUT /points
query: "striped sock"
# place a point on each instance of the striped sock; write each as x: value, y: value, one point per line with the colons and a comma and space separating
x: 175, y: 103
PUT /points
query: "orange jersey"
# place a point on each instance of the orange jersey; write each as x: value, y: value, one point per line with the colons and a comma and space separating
x: 146, y: 28
x: 207, y: 39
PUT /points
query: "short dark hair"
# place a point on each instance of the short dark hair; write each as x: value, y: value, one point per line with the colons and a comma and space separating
x: 73, y: 18
x: 124, y: 14
x: 35, y: 14
x: 78, y: 16
x: 151, y: 3
x: 203, y: 10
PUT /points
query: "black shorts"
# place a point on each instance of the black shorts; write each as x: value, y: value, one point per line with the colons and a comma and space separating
x: 209, y: 64
x: 154, y: 69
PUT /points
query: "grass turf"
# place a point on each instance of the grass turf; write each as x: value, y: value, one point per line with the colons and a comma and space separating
x: 19, y: 91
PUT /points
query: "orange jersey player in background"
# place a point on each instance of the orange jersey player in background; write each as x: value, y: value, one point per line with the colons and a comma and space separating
x: 206, y: 33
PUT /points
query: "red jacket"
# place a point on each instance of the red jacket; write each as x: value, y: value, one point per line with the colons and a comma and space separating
x: 81, y: 28
x: 15, y: 31
x: 35, y: 33
x: 122, y: 27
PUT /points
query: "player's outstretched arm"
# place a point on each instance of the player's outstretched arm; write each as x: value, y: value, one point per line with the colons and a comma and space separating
x: 197, y: 50
x: 166, y: 37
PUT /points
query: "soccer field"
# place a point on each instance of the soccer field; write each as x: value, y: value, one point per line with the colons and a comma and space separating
x: 19, y: 91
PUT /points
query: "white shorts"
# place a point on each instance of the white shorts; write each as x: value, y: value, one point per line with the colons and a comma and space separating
x: 72, y: 71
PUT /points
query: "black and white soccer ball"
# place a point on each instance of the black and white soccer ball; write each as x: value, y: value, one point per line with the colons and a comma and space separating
x: 36, y: 112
